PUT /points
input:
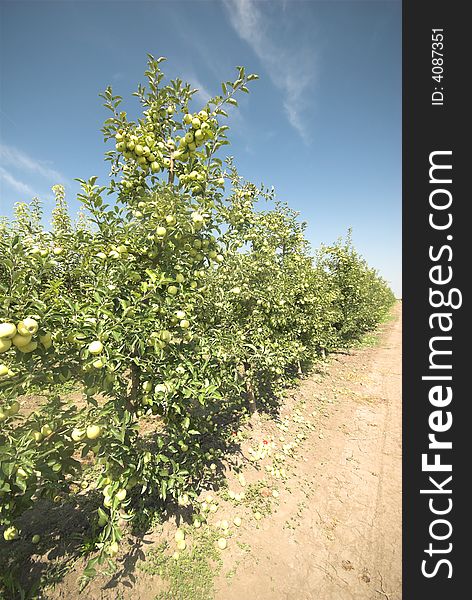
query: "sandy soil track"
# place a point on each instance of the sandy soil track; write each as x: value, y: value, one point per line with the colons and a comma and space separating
x: 345, y: 494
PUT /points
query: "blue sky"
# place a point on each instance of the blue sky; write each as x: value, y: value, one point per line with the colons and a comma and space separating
x: 322, y: 125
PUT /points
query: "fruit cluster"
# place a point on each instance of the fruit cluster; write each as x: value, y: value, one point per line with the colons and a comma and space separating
x: 201, y: 128
x: 43, y: 252
x: 144, y: 149
x: 21, y: 336
x: 142, y: 144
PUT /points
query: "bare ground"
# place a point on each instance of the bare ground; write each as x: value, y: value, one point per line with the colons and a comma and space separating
x: 334, y: 528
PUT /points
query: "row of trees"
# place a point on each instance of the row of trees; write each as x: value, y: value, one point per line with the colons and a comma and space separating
x: 183, y: 299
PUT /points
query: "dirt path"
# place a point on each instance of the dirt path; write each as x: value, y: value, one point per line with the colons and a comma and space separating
x: 337, y: 532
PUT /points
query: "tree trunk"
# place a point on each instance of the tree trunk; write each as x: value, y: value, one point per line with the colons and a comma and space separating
x: 133, y: 388
x: 171, y: 171
x: 249, y: 392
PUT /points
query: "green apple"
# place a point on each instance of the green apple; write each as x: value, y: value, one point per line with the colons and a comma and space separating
x: 203, y: 115
x: 77, y: 434
x: 147, y: 386
x: 28, y: 327
x: 197, y: 218
x: 3, y: 370
x: 172, y: 290
x: 161, y: 232
x: 46, y: 340
x: 21, y: 340
x: 187, y: 119
x: 171, y: 220
x: 98, y: 364
x: 46, y: 430
x: 179, y: 535
x: 165, y: 335
x: 10, y: 533
x: 179, y: 278
x: 7, y: 330
x: 95, y: 347
x: 196, y: 123
x: 93, y: 432
x: 184, y: 323
x: 22, y: 473
x: 121, y: 494
x: 222, y: 543
x: 112, y: 549
x: 14, y: 408
x: 36, y: 539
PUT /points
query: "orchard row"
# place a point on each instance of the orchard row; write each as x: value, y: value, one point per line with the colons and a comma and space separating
x: 175, y: 303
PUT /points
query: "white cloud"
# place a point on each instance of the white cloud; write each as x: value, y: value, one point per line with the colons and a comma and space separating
x: 16, y: 158
x: 14, y: 183
x: 203, y: 94
x: 290, y: 68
